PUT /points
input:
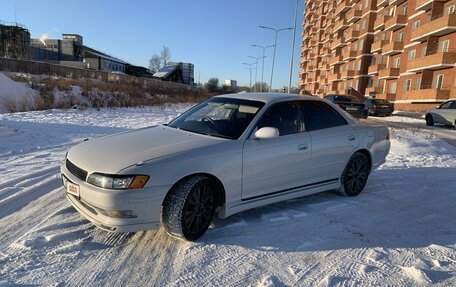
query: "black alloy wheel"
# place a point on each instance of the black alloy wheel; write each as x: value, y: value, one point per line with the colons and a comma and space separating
x: 198, y: 211
x: 355, y: 175
x: 429, y: 120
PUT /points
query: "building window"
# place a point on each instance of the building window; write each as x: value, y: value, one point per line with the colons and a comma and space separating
x: 404, y: 10
x: 366, y: 3
x: 407, y: 85
x: 393, y: 87
x: 400, y: 36
x: 364, y: 24
x: 359, y: 65
x: 397, y: 62
x: 439, y: 82
x: 444, y: 46
x: 423, y: 51
x: 361, y: 45
x: 451, y: 9
x: 418, y: 84
x: 356, y: 85
x: 416, y: 24
x: 411, y: 54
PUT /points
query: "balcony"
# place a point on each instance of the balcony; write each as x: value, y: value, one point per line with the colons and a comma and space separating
x: 379, y: 23
x: 386, y: 96
x: 382, y: 3
x: 373, y: 90
x: 340, y: 42
x: 335, y: 60
x: 432, y: 62
x: 424, y: 5
x: 377, y: 46
x: 348, y: 55
x: 342, y: 6
x: 393, y: 48
x: 389, y: 73
x: 396, y: 22
x: 351, y: 34
x: 347, y: 74
x: 340, y: 25
x: 374, y: 69
x: 438, y: 27
x: 353, y: 15
x: 426, y: 94
x: 396, y: 2
x: 334, y: 77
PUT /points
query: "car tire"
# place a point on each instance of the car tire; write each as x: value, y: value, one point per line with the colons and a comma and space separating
x: 354, y: 177
x: 429, y: 120
x: 189, y: 207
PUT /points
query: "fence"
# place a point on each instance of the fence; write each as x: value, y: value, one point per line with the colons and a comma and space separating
x: 43, y: 68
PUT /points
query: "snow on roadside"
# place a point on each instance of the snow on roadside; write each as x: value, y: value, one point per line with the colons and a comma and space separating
x: 400, y: 231
x: 15, y: 96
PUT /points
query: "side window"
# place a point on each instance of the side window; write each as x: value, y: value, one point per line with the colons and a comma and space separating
x: 445, y: 105
x: 319, y: 115
x: 286, y: 117
x: 453, y: 105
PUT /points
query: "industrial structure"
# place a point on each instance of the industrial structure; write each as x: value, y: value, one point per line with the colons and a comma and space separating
x: 14, y: 41
x: 399, y: 50
x: 177, y: 72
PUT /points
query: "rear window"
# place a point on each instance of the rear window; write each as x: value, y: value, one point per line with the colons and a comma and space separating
x: 380, y: 101
x: 319, y: 115
x: 346, y: 99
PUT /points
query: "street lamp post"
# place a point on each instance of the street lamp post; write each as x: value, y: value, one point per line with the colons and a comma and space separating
x: 293, y: 45
x: 275, y: 46
x: 256, y: 70
x: 262, y: 66
x: 250, y: 69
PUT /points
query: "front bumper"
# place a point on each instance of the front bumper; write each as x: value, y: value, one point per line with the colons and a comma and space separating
x: 145, y: 203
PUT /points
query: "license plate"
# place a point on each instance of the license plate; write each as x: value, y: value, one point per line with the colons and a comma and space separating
x: 73, y: 189
x: 352, y: 109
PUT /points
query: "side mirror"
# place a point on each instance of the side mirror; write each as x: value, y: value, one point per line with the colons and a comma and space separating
x: 438, y: 107
x: 266, y: 133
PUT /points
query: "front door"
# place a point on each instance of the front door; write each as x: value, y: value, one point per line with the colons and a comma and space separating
x: 272, y: 166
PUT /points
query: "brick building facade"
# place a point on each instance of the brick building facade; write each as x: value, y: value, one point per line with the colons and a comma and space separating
x: 400, y: 50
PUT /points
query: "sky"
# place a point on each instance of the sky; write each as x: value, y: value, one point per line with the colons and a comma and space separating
x: 216, y: 36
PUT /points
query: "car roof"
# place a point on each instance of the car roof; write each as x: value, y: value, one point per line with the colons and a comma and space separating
x: 268, y: 97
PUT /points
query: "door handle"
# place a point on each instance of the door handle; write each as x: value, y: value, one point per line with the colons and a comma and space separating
x: 303, y: 147
x: 351, y: 138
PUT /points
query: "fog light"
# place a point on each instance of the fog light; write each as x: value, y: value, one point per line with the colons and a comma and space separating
x: 118, y: 213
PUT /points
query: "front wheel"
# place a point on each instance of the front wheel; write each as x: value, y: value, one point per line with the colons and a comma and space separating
x: 189, y: 208
x: 354, y: 176
x: 429, y: 120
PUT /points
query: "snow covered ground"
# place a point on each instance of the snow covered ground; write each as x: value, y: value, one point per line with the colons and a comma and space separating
x: 400, y: 231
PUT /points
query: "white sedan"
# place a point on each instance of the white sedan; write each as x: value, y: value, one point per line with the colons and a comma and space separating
x: 443, y: 114
x: 225, y: 155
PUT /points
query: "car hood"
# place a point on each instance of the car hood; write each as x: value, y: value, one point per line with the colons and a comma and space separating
x: 110, y: 154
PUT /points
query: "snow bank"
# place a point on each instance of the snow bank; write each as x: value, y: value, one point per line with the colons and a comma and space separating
x: 15, y: 96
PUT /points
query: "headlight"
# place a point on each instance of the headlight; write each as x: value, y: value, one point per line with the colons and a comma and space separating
x: 118, y: 181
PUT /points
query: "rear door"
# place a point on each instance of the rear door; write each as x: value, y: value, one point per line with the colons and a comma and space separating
x: 272, y: 166
x: 333, y: 140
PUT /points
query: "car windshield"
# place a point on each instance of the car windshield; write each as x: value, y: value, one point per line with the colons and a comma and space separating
x: 346, y: 99
x: 219, y: 117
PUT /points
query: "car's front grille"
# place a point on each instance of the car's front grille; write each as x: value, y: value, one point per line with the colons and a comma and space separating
x: 76, y: 171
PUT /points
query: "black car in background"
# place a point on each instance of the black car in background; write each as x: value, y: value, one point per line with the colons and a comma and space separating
x: 379, y: 107
x: 350, y: 104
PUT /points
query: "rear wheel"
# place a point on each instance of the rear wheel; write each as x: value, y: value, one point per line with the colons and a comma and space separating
x: 354, y: 176
x: 429, y: 120
x: 189, y: 208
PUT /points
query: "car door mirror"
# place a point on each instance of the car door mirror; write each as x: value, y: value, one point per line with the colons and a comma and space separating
x: 438, y: 107
x: 266, y: 133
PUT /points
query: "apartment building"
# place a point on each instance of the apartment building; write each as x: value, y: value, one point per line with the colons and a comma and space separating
x: 400, y: 50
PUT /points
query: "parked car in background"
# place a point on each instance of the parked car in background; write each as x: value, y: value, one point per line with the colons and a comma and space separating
x: 350, y: 104
x: 225, y: 155
x: 442, y: 114
x: 378, y: 107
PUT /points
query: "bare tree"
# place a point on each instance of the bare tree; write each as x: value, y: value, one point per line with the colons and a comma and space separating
x: 165, y: 55
x: 155, y: 63
x: 212, y: 85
